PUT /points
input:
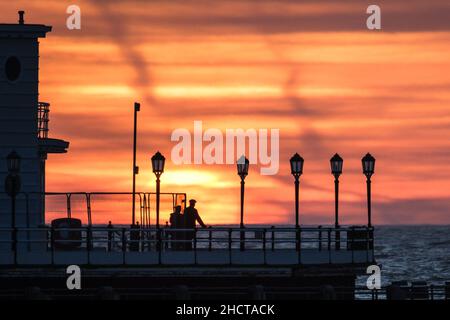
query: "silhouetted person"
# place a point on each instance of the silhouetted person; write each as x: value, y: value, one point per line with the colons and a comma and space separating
x: 191, y: 216
x: 176, y: 222
x: 110, y: 235
x: 135, y: 237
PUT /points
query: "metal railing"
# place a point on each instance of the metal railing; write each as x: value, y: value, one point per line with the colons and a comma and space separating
x: 63, y: 204
x: 318, y: 242
x: 87, y: 199
x: 43, y: 119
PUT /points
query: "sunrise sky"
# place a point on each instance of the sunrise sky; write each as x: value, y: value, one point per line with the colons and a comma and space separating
x: 308, y: 68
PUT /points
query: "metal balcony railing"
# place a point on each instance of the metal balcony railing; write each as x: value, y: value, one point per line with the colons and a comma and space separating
x: 43, y: 119
x: 91, y: 242
x: 166, y: 246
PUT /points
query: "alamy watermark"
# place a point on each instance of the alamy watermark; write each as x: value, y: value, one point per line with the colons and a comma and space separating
x: 374, y: 280
x: 373, y: 22
x: 73, y: 21
x: 74, y: 279
x: 226, y: 148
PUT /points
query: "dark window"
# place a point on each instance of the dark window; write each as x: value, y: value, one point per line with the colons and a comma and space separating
x: 12, y: 68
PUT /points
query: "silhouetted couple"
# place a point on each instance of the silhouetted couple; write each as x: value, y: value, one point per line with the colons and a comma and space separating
x: 187, y: 220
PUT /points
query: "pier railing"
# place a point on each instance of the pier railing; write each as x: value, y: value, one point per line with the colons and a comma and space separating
x: 93, y: 245
x: 89, y: 205
x: 91, y: 208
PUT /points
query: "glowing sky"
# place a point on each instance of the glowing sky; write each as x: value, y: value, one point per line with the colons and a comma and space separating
x: 308, y: 68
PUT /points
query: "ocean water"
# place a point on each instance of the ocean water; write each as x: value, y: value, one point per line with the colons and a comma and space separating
x: 413, y: 253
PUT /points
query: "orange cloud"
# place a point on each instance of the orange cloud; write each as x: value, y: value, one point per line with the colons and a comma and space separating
x: 310, y: 69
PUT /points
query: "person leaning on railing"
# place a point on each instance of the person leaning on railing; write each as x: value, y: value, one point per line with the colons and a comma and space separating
x: 190, y: 218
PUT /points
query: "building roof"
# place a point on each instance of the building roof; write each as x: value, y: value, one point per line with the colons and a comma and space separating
x: 23, y: 30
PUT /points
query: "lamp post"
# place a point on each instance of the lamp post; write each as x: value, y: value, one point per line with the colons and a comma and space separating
x: 158, y: 161
x: 137, y: 108
x: 12, y: 188
x: 368, y: 165
x: 297, y: 170
x: 336, y: 163
x: 242, y: 168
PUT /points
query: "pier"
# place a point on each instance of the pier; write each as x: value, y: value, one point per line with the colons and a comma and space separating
x: 41, y: 232
x: 67, y: 243
x: 137, y: 261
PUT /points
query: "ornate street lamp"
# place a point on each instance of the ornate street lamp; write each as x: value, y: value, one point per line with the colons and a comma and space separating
x: 297, y: 170
x: 368, y: 165
x: 336, y: 163
x: 158, y: 161
x: 12, y: 188
x: 242, y: 168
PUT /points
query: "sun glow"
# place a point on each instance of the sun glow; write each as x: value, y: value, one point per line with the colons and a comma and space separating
x: 328, y: 89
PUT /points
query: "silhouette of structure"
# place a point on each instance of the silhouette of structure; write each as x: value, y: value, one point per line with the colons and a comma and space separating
x: 255, y: 257
x: 24, y: 121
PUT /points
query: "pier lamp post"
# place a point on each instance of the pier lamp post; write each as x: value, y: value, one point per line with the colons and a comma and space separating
x: 158, y: 161
x: 12, y: 188
x: 336, y: 163
x: 368, y: 165
x: 242, y: 168
x: 297, y: 170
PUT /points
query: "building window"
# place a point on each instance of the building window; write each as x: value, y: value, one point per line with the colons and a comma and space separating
x: 12, y: 68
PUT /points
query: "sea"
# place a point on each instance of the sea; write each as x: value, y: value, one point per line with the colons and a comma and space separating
x: 412, y: 253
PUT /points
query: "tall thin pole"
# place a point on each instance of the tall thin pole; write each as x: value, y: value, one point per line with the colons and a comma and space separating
x: 242, y: 215
x: 297, y: 188
x: 297, y: 224
x: 336, y: 212
x: 369, y: 203
x: 137, y: 107
x: 157, y: 200
x: 158, y: 231
x: 336, y: 202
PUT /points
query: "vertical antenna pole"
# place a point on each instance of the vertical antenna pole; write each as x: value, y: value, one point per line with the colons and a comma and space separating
x: 21, y: 19
x: 137, y: 108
